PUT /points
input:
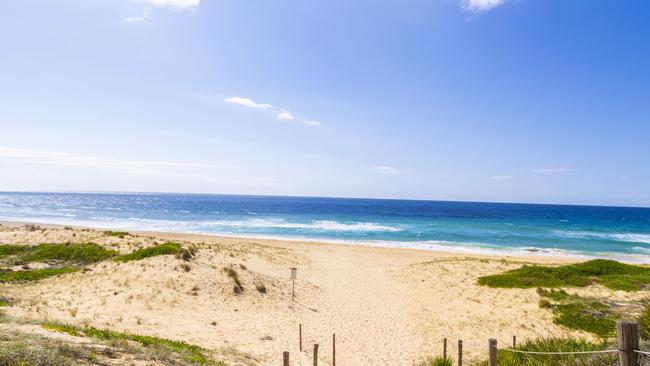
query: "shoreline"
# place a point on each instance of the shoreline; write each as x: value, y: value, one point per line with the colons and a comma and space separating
x: 545, y: 257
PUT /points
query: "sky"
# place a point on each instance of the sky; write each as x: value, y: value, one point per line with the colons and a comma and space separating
x: 542, y: 101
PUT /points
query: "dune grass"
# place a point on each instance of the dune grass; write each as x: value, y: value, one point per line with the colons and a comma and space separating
x: 234, y: 276
x: 580, y: 313
x: 644, y: 321
x: 70, y: 253
x: 505, y: 358
x: 609, y: 273
x: 9, y: 250
x: 119, y: 234
x: 161, y: 249
x: 190, y: 353
x: 437, y: 361
x: 5, y: 301
x: 34, y: 275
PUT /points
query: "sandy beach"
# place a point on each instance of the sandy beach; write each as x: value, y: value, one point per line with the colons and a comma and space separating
x: 387, y: 306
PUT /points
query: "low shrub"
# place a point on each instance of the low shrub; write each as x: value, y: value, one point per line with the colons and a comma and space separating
x: 167, y: 248
x: 609, y: 273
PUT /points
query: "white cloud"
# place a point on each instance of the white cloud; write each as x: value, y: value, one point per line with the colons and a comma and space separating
x: 174, y: 4
x: 310, y: 122
x: 246, y: 102
x: 285, y: 116
x: 550, y: 170
x: 503, y: 177
x: 383, y: 169
x: 45, y: 157
x: 145, y: 14
x: 478, y: 6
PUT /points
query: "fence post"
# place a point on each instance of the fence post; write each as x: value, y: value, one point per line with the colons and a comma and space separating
x: 334, y: 349
x: 460, y: 352
x: 444, y: 348
x: 514, y: 341
x: 316, y: 354
x: 492, y: 343
x: 627, y: 334
x: 285, y: 358
x: 300, y: 335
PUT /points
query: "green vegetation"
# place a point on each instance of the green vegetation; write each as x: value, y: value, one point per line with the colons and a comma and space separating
x: 580, y: 313
x: 644, y: 321
x: 161, y: 249
x: 18, y: 349
x: 188, y: 352
x: 609, y: 273
x: 72, y: 253
x: 8, y: 250
x: 119, y: 234
x: 505, y: 358
x: 35, y: 274
x: 438, y: 361
x: 5, y: 301
x: 235, y: 277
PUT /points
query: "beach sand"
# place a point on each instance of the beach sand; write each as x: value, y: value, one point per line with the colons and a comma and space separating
x: 387, y: 306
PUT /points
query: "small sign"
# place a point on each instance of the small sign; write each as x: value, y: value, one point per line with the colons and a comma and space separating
x: 294, y: 273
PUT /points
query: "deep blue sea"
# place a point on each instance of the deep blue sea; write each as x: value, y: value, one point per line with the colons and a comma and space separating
x: 614, y: 232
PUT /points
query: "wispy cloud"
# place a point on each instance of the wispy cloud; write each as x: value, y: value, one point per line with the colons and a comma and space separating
x: 285, y: 116
x: 479, y: 6
x: 550, y: 170
x: 503, y: 177
x: 280, y: 113
x: 45, y: 157
x: 176, y: 5
x: 388, y: 170
x: 246, y: 102
x: 145, y: 14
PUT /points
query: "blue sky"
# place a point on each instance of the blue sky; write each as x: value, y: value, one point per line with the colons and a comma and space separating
x: 489, y: 100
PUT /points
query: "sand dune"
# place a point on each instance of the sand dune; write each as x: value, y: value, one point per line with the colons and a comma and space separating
x: 387, y: 306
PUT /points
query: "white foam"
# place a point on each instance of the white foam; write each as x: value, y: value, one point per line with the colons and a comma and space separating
x: 624, y: 237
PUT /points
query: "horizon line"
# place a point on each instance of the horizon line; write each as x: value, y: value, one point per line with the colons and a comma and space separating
x: 321, y: 197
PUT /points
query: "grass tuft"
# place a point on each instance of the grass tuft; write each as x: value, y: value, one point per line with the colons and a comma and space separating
x: 189, y: 352
x: 71, y: 253
x: 119, y: 234
x: 5, y: 301
x: 609, y: 273
x: 235, y: 277
x: 505, y: 358
x: 580, y: 313
x: 8, y: 250
x: 644, y: 321
x: 34, y: 275
x: 161, y: 249
x: 437, y: 361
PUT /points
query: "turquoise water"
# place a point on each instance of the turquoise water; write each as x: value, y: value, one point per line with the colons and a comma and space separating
x: 435, y: 225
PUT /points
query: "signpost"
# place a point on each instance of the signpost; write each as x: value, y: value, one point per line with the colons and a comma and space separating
x: 294, y: 274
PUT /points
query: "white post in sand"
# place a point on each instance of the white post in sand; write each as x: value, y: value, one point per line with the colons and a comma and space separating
x: 294, y: 273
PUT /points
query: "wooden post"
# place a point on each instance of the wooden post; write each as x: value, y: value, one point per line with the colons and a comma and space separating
x: 492, y: 343
x: 300, y: 335
x: 316, y: 354
x: 285, y: 358
x: 627, y: 334
x: 334, y: 349
x: 444, y: 348
x: 514, y: 341
x: 460, y: 352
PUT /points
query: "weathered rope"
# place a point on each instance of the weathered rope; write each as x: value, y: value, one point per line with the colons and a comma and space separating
x: 642, y: 352
x: 558, y: 353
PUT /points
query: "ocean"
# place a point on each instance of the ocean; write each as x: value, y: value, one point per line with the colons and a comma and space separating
x: 471, y: 227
